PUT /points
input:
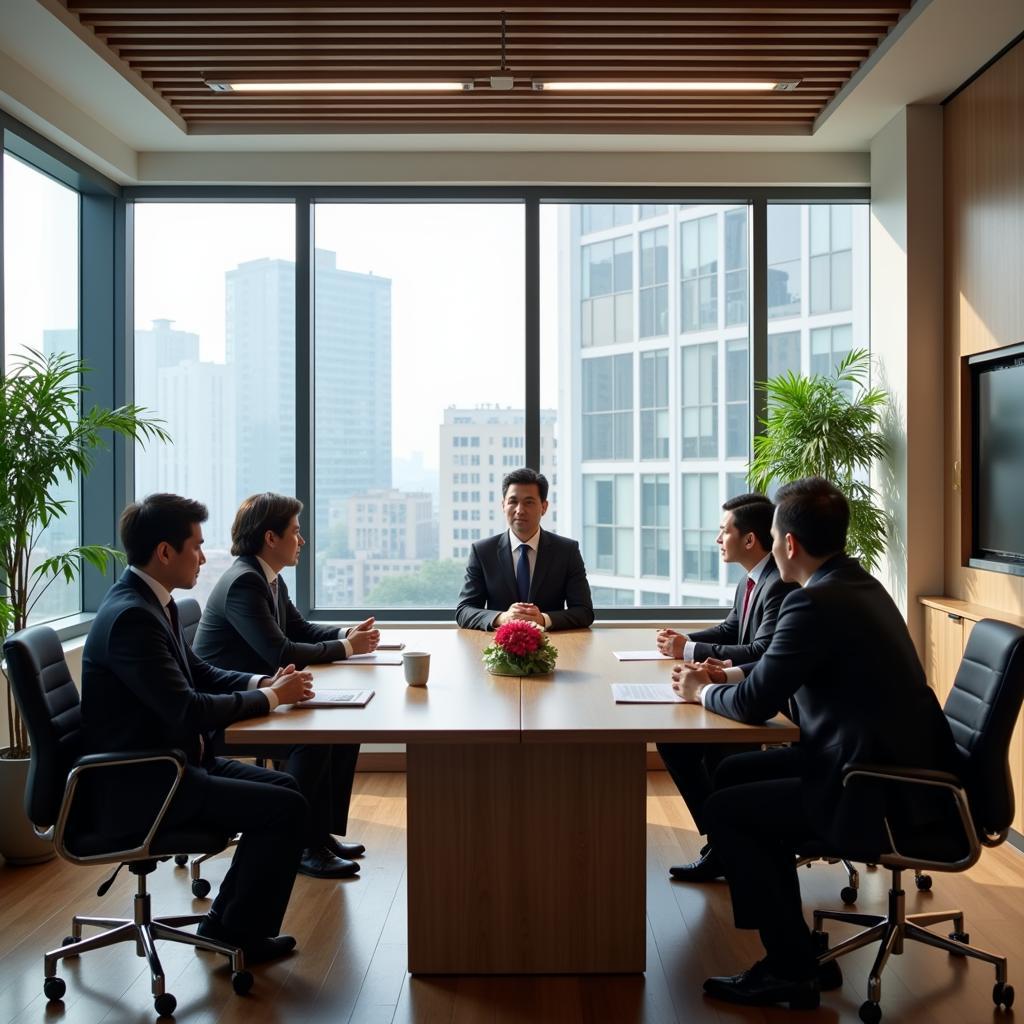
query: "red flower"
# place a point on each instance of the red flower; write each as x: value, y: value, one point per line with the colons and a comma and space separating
x: 518, y: 638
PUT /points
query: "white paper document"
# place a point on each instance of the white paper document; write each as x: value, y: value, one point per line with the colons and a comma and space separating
x: 649, y: 655
x: 339, y: 699
x: 645, y: 693
x: 376, y: 658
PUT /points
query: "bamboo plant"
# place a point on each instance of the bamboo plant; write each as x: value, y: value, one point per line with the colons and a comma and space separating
x: 44, y: 440
x: 828, y: 425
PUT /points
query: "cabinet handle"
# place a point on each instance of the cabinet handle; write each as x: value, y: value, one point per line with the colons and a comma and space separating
x: 954, y: 618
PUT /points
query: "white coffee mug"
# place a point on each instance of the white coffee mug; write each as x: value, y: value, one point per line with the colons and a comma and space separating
x: 416, y: 665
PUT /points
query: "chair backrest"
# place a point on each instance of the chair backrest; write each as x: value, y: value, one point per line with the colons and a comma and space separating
x: 982, y: 710
x: 189, y: 614
x: 48, y: 699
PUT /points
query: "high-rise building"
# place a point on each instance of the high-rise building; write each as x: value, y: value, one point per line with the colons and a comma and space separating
x: 391, y: 524
x: 478, y: 447
x: 656, y: 430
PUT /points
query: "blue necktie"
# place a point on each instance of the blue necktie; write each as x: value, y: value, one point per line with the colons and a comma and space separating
x: 523, y: 573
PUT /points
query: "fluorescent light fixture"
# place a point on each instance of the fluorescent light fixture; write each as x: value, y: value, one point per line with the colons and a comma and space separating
x: 652, y: 86
x: 224, y: 85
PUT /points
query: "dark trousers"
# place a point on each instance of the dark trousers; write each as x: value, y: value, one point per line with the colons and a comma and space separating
x: 267, y: 808
x: 756, y: 823
x: 692, y: 767
x: 325, y: 775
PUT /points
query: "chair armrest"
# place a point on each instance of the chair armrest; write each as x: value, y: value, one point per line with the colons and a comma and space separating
x: 117, y: 759
x: 921, y: 777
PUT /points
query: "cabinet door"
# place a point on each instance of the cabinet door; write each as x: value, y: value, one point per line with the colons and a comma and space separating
x: 944, y: 645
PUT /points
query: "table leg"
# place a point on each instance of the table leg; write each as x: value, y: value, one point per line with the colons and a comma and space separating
x: 526, y: 858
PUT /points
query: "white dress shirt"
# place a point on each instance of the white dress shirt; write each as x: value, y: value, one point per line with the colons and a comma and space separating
x: 531, y: 557
x: 163, y: 595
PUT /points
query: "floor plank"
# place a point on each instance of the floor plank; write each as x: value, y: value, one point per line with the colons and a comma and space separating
x: 352, y: 945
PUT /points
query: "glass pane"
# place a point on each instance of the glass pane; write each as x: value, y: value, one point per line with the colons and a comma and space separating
x: 215, y: 357
x: 407, y: 400
x: 40, y: 308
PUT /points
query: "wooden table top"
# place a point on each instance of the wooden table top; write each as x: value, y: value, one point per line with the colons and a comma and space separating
x: 462, y: 703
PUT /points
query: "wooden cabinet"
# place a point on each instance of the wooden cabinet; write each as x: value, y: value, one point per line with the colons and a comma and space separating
x: 948, y: 625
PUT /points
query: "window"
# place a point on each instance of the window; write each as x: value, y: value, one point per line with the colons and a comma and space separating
x: 701, y: 509
x: 611, y: 597
x: 737, y: 399
x: 829, y: 346
x: 648, y: 211
x: 601, y: 216
x: 608, y: 524
x: 654, y: 526
x: 608, y: 407
x: 655, y: 597
x: 736, y: 246
x: 215, y: 357
x: 700, y: 401
x: 654, y: 404
x: 606, y: 311
x: 654, y: 283
x: 831, y: 258
x: 783, y: 353
x: 40, y: 309
x: 698, y: 260
x: 784, y: 246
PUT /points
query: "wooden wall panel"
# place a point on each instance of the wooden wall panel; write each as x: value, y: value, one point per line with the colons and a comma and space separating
x: 983, y: 170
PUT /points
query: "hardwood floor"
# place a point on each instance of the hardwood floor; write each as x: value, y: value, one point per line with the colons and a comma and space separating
x: 351, y: 964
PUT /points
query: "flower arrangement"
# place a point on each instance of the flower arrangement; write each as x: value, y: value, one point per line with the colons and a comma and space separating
x: 520, y: 648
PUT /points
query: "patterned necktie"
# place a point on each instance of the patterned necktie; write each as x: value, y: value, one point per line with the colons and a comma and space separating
x: 746, y: 602
x: 277, y: 604
x: 523, y: 573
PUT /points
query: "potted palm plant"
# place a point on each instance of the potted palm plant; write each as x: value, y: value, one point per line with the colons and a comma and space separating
x: 45, y: 438
x: 828, y: 425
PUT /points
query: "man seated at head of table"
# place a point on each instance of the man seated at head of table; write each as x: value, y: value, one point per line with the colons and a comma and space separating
x: 745, y: 539
x: 525, y: 573
x: 851, y: 710
x: 250, y: 625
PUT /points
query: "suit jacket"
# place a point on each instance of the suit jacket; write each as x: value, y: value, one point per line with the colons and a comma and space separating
x: 243, y: 628
x: 745, y: 642
x: 144, y: 689
x: 559, y: 586
x: 842, y: 651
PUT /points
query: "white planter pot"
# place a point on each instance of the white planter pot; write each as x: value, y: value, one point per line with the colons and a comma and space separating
x: 19, y: 843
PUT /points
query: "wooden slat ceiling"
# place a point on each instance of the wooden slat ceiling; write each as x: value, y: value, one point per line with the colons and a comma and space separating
x: 172, y: 47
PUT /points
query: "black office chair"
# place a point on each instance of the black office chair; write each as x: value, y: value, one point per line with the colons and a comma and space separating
x: 982, y: 709
x: 58, y: 805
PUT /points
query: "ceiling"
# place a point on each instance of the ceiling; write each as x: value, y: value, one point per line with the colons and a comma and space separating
x: 170, y: 49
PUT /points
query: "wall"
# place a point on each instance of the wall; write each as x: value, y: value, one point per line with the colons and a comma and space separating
x: 983, y: 170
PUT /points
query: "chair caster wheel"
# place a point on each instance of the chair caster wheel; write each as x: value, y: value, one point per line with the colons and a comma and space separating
x: 870, y: 1013
x: 241, y: 982
x: 819, y: 941
x: 964, y: 937
x: 923, y: 883
x: 1002, y: 994
x: 200, y: 888
x: 54, y: 989
x: 164, y: 1004
x: 848, y: 895
x: 181, y: 859
x: 69, y: 940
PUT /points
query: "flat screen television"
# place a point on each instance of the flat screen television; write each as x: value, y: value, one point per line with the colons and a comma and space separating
x: 997, y: 460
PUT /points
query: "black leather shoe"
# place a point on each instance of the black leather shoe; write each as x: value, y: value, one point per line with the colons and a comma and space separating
x: 760, y: 987
x: 347, y: 850
x: 706, y: 868
x: 830, y: 976
x: 319, y: 862
x: 256, y: 951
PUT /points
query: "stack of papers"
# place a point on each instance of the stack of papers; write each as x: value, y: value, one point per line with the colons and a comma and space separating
x: 376, y: 658
x: 645, y: 693
x: 339, y: 699
x: 649, y: 655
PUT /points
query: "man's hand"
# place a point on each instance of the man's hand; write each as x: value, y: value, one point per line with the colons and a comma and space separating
x: 364, y: 637
x: 521, y: 611
x: 688, y: 678
x: 291, y: 686
x: 671, y: 643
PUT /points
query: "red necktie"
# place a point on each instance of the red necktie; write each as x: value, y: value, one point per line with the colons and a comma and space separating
x: 746, y: 599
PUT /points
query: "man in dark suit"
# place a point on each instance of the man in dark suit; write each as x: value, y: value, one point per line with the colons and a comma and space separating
x: 525, y: 572
x: 144, y: 689
x: 250, y: 624
x: 744, y: 538
x: 842, y: 651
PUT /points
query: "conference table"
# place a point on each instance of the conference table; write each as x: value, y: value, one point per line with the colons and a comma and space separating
x: 526, y: 796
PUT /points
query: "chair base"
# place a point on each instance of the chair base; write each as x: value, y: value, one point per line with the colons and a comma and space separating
x: 897, y: 927
x: 144, y: 930
x: 200, y: 885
